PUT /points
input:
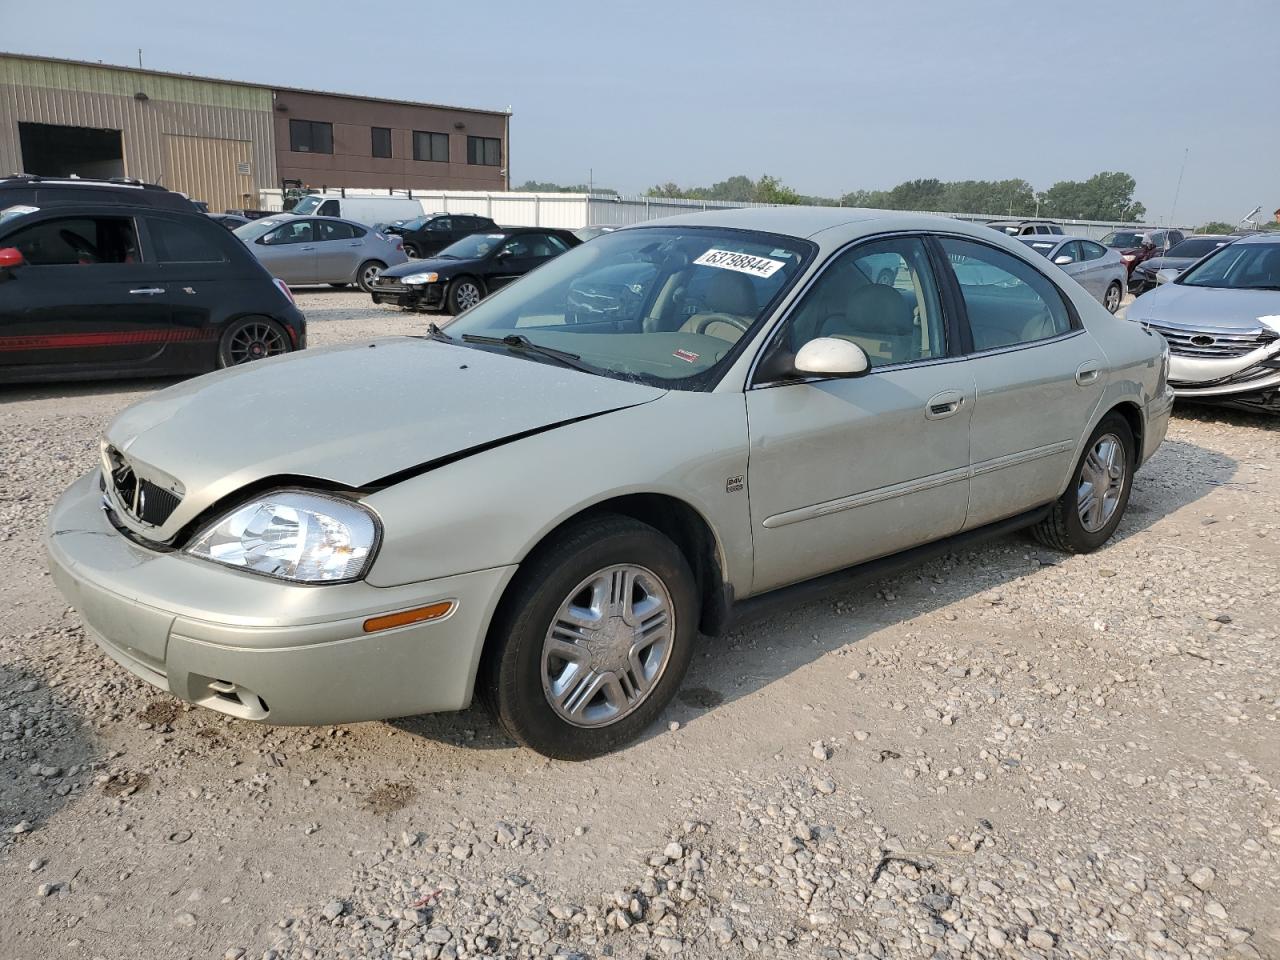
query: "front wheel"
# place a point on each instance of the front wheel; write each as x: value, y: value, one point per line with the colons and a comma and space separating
x: 1111, y: 300
x: 1087, y: 514
x: 464, y: 293
x: 368, y: 273
x: 411, y: 251
x: 251, y: 338
x: 592, y: 640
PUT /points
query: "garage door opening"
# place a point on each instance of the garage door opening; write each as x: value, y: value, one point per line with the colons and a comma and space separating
x: 51, y: 150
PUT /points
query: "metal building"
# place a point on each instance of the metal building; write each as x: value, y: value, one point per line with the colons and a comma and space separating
x: 223, y: 141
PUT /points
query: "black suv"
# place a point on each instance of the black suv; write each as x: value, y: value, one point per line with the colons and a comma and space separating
x: 427, y: 236
x: 103, y: 287
x: 25, y: 189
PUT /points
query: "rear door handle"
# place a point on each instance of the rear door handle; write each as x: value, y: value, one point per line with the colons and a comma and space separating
x: 308, y: 249
x: 147, y: 291
x: 943, y: 405
x: 1088, y: 372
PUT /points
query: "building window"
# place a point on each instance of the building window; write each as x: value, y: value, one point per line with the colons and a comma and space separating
x: 382, y: 141
x: 310, y: 136
x: 484, y: 150
x: 431, y: 146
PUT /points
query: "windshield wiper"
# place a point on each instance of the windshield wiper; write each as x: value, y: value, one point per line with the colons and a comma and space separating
x: 435, y: 333
x: 520, y: 343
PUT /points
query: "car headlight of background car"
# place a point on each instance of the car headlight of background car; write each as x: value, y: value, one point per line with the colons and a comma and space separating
x: 414, y: 279
x: 293, y: 535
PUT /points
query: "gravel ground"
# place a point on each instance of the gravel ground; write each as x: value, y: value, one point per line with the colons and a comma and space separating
x: 1004, y: 753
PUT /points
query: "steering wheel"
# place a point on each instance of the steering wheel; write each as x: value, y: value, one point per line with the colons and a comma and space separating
x: 82, y: 247
x: 705, y: 320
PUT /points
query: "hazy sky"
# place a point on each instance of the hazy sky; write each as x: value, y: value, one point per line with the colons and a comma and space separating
x: 829, y: 97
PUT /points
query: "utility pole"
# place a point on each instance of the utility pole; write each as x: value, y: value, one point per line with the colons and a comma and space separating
x: 139, y: 58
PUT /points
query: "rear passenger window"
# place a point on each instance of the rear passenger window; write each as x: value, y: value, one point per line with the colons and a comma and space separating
x: 176, y: 242
x: 77, y: 240
x: 335, y: 230
x: 1007, y: 301
x: 1092, y: 251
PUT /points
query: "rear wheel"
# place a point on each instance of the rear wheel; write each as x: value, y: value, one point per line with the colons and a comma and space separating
x: 251, y: 338
x: 593, y: 639
x: 411, y: 251
x: 1087, y: 514
x: 368, y: 273
x: 464, y: 293
x: 1111, y: 300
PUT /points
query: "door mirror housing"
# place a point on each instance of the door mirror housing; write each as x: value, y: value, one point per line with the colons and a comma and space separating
x: 10, y: 257
x: 831, y: 357
x: 1062, y: 259
x: 1167, y: 275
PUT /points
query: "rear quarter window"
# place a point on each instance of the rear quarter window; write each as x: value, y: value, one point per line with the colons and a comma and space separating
x: 175, y: 241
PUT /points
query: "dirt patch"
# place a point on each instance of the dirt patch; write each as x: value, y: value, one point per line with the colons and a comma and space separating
x: 161, y: 713
x: 389, y: 798
x: 125, y: 784
x: 704, y: 698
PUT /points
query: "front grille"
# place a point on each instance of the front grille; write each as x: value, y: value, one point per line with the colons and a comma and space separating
x: 388, y: 285
x: 1210, y: 343
x: 138, y: 497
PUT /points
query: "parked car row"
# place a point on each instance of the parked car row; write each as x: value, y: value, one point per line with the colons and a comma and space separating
x: 1147, y: 273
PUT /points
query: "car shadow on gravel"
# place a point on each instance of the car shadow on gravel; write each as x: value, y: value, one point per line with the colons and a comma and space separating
x: 45, y: 753
x: 12, y: 393
x: 1226, y: 416
x: 787, y: 636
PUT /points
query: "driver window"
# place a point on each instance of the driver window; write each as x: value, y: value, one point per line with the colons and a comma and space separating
x: 77, y: 240
x: 879, y: 295
x: 515, y: 247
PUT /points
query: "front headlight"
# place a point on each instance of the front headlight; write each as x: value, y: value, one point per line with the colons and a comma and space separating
x: 414, y: 279
x: 293, y: 535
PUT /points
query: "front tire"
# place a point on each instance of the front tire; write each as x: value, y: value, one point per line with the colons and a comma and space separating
x: 411, y: 251
x: 592, y: 640
x: 464, y: 293
x: 251, y: 338
x: 1087, y: 514
x: 1111, y: 299
x: 368, y: 273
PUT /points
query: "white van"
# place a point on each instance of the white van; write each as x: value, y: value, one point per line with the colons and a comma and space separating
x: 366, y: 210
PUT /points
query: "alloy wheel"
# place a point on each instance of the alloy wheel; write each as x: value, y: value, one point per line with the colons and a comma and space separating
x: 1113, y: 298
x: 369, y: 275
x: 253, y: 341
x: 1102, y: 478
x: 468, y: 295
x: 608, y: 646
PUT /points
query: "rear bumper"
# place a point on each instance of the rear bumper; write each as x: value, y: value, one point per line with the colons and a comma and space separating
x: 266, y: 650
x: 1158, y: 412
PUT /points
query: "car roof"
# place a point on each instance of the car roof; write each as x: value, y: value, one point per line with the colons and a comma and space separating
x: 1260, y: 238
x: 47, y: 191
x: 1048, y: 223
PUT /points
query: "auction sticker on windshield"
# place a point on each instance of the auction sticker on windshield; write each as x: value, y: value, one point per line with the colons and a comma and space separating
x: 742, y: 262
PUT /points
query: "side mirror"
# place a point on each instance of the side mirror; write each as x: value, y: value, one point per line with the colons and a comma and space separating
x: 1167, y: 275
x: 10, y: 257
x: 1062, y: 259
x: 830, y: 357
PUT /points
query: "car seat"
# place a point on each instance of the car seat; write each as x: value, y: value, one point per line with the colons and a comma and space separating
x: 878, y: 319
x: 728, y: 308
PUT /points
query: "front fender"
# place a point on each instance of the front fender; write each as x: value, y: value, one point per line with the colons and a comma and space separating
x: 493, y: 508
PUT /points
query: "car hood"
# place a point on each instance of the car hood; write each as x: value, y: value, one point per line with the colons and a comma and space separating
x: 351, y: 416
x: 1208, y: 308
x: 429, y: 265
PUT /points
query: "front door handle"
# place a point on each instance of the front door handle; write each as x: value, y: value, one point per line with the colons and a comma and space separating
x: 1088, y: 372
x: 308, y: 249
x: 147, y: 291
x: 943, y: 405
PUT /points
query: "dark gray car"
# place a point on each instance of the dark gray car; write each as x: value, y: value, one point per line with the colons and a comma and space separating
x: 1180, y: 256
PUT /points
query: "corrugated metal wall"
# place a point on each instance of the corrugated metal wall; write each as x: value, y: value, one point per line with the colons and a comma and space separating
x: 210, y: 169
x: 86, y: 96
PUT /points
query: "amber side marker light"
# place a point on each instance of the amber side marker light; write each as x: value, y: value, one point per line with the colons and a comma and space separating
x: 433, y: 611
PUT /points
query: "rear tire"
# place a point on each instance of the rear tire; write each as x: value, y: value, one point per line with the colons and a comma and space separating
x: 411, y: 251
x: 1087, y: 514
x: 1112, y: 298
x: 612, y: 680
x: 368, y: 273
x: 251, y: 338
x: 464, y: 293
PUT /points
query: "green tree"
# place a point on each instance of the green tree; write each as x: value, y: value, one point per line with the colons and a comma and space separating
x: 1008, y: 197
x: 1215, y: 226
x: 1104, y: 196
x: 668, y: 189
x: 540, y: 186
x: 772, y: 190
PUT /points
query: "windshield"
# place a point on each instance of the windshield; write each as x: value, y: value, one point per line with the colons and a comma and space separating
x: 251, y: 231
x: 1122, y: 239
x: 307, y: 205
x: 1195, y: 249
x: 1238, y: 266
x: 473, y: 247
x: 661, y: 305
x: 1009, y: 229
x: 1042, y: 247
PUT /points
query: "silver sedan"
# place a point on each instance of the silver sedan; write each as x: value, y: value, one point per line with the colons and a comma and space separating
x: 305, y: 250
x: 1097, y: 268
x: 545, y: 502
